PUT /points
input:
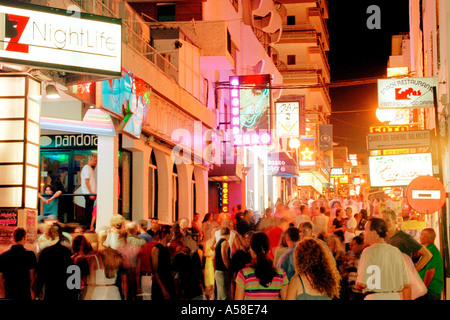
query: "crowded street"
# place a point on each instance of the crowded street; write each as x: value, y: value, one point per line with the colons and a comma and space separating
x: 223, y: 151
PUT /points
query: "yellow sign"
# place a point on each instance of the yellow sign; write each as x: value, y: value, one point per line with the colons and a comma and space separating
x: 399, y: 71
x: 392, y: 128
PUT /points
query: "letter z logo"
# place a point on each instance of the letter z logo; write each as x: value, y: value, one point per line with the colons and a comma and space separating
x: 14, y: 25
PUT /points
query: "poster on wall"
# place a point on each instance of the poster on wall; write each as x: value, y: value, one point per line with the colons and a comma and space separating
x: 8, y: 221
x: 398, y: 170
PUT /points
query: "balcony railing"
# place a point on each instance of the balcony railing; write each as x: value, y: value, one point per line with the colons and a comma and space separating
x: 132, y: 33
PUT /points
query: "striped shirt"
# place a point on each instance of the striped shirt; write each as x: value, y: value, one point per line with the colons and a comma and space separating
x: 247, y: 279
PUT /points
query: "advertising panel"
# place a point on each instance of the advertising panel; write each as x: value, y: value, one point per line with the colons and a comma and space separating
x: 56, y: 38
x: 406, y: 93
x: 250, y: 98
x: 399, y: 170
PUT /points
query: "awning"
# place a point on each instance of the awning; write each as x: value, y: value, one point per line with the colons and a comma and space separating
x: 281, y: 164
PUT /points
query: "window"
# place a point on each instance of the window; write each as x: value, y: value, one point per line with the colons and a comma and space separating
x: 165, y: 12
x: 153, y: 187
x: 291, y: 20
x: 291, y: 59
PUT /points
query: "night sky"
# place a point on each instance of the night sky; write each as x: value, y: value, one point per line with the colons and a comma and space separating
x: 358, y: 52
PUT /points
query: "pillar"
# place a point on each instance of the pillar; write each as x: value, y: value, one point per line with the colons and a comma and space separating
x: 107, y: 179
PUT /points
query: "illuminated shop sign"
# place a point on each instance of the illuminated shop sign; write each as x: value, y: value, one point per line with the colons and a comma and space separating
x: 399, y: 170
x: 336, y: 172
x: 250, y: 98
x: 392, y: 128
x: 127, y: 97
x: 71, y: 141
x: 394, y: 93
x: 307, y: 152
x: 288, y: 117
x: 60, y: 39
x: 223, y: 197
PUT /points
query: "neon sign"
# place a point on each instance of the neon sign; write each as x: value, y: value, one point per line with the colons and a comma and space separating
x: 250, y: 110
x: 223, y: 197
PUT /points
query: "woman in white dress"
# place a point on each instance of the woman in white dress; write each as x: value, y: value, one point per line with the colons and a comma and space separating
x: 103, y: 271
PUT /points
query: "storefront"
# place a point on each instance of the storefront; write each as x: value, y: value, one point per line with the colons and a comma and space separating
x: 39, y: 63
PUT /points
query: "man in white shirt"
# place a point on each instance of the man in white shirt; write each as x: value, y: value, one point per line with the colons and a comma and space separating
x: 321, y: 223
x: 303, y: 216
x: 382, y: 272
x: 350, y: 227
x: 89, y: 186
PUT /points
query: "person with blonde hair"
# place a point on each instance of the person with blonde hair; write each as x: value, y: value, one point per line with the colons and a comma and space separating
x: 116, y: 234
x: 317, y: 277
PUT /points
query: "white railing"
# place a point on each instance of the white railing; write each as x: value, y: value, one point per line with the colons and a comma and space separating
x: 132, y: 31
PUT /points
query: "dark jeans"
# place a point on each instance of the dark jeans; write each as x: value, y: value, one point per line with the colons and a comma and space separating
x: 87, y: 214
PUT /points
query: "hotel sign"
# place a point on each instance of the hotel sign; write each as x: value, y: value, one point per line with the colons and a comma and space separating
x: 59, y: 39
x: 398, y: 140
x: 406, y: 93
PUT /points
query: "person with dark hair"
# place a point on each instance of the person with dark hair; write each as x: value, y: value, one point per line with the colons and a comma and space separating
x: 286, y: 261
x: 261, y: 280
x: 221, y: 264
x: 51, y: 202
x: 337, y: 226
x: 321, y: 222
x: 243, y: 224
x: 52, y: 267
x: 382, y: 272
x: 403, y: 241
x: 163, y: 286
x: 362, y: 219
x: 17, y: 269
x: 317, y: 277
x: 349, y: 270
x: 81, y: 247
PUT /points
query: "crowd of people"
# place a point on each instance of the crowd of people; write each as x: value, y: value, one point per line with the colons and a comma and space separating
x: 314, y: 250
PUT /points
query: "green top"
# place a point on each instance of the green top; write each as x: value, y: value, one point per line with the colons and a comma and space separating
x: 307, y: 296
x: 404, y: 242
x: 437, y: 284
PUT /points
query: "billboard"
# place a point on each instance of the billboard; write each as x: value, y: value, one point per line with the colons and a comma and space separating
x: 250, y: 98
x: 50, y: 37
x: 288, y: 119
x: 398, y: 170
x: 406, y: 93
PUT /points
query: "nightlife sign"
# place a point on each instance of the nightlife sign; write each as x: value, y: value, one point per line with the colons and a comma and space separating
x: 399, y: 170
x: 250, y: 98
x: 61, y: 39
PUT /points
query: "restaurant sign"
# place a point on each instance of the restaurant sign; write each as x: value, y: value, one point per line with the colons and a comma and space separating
x: 398, y: 170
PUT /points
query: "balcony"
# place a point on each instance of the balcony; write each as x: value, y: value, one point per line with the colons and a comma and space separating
x: 300, y: 33
x: 316, y: 17
x: 135, y: 32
